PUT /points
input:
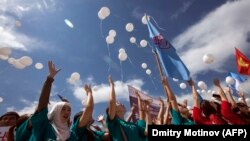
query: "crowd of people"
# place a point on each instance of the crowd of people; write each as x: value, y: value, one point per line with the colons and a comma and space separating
x: 55, y: 124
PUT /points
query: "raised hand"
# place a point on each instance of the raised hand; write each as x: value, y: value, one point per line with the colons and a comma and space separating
x: 111, y: 82
x: 87, y: 89
x: 217, y: 82
x: 52, y: 69
x: 190, y: 82
x: 164, y: 81
x: 132, y: 109
x: 100, y: 118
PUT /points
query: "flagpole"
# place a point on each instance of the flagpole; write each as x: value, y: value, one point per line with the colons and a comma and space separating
x: 159, y: 66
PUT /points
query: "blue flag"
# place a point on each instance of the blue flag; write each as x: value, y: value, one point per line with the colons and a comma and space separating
x: 238, y: 79
x: 170, y: 62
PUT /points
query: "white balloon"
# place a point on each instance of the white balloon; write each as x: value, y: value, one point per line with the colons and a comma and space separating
x: 247, y: 99
x: 129, y: 27
x: 240, y: 99
x: 209, y: 91
x: 110, y: 39
x: 112, y: 33
x: 175, y: 80
x: 148, y: 71
x: 122, y: 56
x: 144, y: 65
x: 230, y: 80
x: 75, y: 76
x: 11, y: 60
x: 143, y: 43
x: 203, y: 91
x: 122, y: 50
x: 26, y: 60
x: 104, y: 11
x: 208, y: 58
x: 38, y: 66
x: 68, y: 23
x: 132, y: 40
x: 18, y: 65
x: 202, y: 85
x: 5, y: 51
x: 144, y: 20
x: 198, y: 91
x: 183, y: 86
x: 101, y: 16
x: 4, y: 57
x: 1, y: 99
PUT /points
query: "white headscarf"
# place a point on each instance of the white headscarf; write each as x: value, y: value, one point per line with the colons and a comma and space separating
x: 62, y: 129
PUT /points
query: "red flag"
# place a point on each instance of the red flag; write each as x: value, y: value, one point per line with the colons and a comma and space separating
x: 243, y: 63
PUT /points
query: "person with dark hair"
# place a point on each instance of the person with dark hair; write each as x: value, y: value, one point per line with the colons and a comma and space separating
x: 204, y: 108
x: 83, y: 122
x: 9, y: 118
x: 21, y: 131
x: 119, y: 129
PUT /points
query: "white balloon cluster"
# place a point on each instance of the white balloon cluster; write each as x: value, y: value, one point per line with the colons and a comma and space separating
x: 122, y: 54
x: 208, y: 58
x: 20, y: 63
x: 103, y: 13
x: 75, y: 76
x: 129, y: 27
x: 230, y: 80
x: 202, y: 85
x: 143, y: 43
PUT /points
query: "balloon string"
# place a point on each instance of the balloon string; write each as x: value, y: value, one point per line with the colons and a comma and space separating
x: 137, y: 45
x: 131, y: 62
x: 152, y: 82
x: 101, y: 29
x: 157, y: 24
x: 109, y: 57
x: 121, y: 71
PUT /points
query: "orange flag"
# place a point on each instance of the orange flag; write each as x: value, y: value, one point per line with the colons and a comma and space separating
x: 243, y: 63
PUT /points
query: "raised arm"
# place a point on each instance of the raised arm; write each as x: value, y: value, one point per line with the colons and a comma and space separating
x: 86, y: 117
x: 242, y: 95
x: 220, y: 90
x: 112, y: 100
x: 160, y: 113
x: 132, y: 112
x: 167, y: 113
x: 148, y: 118
x: 170, y: 95
x: 194, y: 93
x: 45, y: 93
x: 230, y: 97
x: 140, y: 108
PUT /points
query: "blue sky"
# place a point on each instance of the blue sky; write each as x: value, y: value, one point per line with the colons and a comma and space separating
x: 37, y: 29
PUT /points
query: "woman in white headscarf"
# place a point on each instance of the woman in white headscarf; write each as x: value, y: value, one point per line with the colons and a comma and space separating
x: 55, y: 125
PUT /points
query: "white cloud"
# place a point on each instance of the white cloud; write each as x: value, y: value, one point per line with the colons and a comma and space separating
x: 12, y: 12
x: 101, y: 91
x: 217, y: 33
